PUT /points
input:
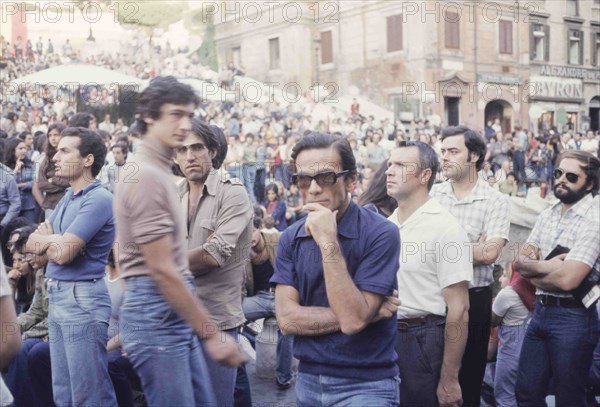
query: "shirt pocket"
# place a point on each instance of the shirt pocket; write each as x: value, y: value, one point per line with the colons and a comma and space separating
x: 204, y: 232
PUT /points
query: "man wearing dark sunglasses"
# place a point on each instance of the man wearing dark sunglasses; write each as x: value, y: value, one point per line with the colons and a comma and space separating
x: 562, y: 334
x: 334, y: 271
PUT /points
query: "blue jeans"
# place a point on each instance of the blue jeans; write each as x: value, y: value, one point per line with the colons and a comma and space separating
x: 262, y: 305
x: 17, y: 375
x: 242, y: 396
x: 519, y: 165
x: 121, y: 373
x: 420, y: 352
x: 507, y: 364
x: 40, y: 375
x: 78, y: 316
x: 249, y: 178
x: 222, y: 377
x: 259, y: 184
x: 326, y: 391
x: 283, y: 174
x: 558, y: 345
x: 163, y: 348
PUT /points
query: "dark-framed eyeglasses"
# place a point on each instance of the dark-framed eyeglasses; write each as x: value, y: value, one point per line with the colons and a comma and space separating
x: 324, y: 179
x: 571, y: 177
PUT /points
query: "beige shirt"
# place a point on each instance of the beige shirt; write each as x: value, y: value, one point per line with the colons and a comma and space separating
x: 222, y: 226
x: 147, y: 208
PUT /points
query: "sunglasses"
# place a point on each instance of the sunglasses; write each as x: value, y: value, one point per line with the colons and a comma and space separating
x: 572, y: 178
x: 324, y: 179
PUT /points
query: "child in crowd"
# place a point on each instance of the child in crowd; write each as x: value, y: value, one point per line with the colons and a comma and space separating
x: 511, y: 315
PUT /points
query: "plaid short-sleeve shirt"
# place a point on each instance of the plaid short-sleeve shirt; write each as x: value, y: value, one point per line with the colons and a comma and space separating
x: 578, y: 230
x: 483, y: 210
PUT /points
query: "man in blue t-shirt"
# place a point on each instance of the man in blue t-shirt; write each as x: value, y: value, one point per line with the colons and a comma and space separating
x: 334, y: 270
x: 77, y: 239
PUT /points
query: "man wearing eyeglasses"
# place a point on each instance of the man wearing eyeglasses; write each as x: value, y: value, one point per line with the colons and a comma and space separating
x: 219, y: 231
x: 334, y: 270
x: 562, y: 334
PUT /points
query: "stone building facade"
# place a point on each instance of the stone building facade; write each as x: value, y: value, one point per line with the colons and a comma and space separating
x: 456, y: 62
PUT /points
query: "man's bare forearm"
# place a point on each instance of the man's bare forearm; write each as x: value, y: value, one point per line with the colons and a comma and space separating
x: 201, y: 262
x: 309, y: 321
x: 347, y: 302
x: 455, y: 340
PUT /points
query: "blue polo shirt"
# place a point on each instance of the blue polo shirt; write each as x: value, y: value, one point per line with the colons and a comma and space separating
x: 371, y: 247
x: 89, y: 216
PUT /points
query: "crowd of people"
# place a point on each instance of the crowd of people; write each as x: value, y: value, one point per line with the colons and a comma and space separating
x: 137, y: 252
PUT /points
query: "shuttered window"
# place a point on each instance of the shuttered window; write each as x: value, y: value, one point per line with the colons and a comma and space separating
x: 274, y: 53
x: 506, y: 37
x: 539, y: 45
x: 452, y: 30
x: 394, y: 33
x: 326, y: 47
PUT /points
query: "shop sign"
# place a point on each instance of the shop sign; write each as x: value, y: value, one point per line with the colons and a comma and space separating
x: 570, y: 72
x: 555, y: 88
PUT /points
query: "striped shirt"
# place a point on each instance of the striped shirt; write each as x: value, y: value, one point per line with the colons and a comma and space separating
x: 483, y: 210
x: 578, y: 230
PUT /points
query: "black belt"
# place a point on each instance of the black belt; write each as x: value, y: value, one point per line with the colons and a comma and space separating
x: 480, y: 289
x: 550, y: 300
x: 410, y: 322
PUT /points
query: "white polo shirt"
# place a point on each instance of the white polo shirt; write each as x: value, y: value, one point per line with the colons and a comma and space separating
x: 435, y: 253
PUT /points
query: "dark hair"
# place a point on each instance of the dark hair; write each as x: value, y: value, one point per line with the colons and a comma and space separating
x: 322, y: 140
x: 259, y: 211
x: 271, y: 187
x: 104, y: 134
x: 222, y: 151
x: 23, y: 135
x: 51, y: 151
x: 89, y: 143
x: 162, y: 90
x: 206, y: 133
x: 473, y: 141
x: 121, y: 146
x: 24, y: 233
x: 10, y: 159
x: 5, y: 236
x: 39, y: 143
x: 3, y: 134
x: 428, y: 159
x: 257, y: 222
x: 81, y: 119
x: 376, y: 192
x: 590, y: 165
x: 512, y: 173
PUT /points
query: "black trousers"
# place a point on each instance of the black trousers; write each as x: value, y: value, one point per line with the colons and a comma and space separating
x: 475, y: 357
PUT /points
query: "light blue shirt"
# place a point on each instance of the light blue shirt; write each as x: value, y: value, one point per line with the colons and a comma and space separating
x: 89, y: 216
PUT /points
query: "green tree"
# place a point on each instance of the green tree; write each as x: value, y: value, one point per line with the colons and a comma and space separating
x: 148, y: 14
x: 207, y: 52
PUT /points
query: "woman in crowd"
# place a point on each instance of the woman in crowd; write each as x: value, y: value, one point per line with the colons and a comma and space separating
x: 48, y: 189
x: 27, y: 138
x: 276, y: 207
x: 15, y: 157
x: 375, y: 197
x: 38, y: 125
